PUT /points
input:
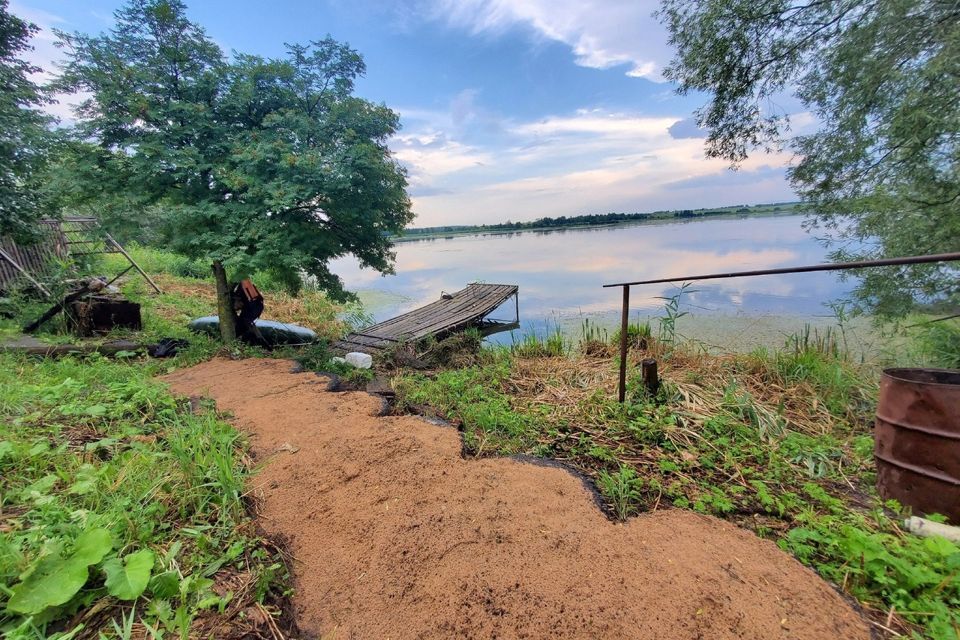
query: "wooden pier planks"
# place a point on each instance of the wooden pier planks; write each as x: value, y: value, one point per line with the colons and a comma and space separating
x: 462, y: 309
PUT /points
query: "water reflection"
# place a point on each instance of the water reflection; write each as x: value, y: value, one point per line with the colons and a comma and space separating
x: 560, y: 272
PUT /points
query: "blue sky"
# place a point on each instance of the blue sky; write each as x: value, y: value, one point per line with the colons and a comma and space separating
x: 510, y: 109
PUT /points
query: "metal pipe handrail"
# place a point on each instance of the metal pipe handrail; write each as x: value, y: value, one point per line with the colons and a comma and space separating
x: 833, y: 266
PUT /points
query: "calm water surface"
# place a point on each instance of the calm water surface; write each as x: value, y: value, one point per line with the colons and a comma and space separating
x: 560, y: 273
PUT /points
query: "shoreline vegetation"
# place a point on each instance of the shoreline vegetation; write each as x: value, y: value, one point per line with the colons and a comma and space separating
x: 587, y: 221
x: 777, y: 441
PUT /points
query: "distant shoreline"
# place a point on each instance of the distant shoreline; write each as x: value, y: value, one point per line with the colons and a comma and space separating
x: 601, y: 221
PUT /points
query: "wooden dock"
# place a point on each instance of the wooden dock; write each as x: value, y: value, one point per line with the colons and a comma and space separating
x: 466, y: 308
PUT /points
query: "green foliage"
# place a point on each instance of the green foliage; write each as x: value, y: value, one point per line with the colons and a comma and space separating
x: 268, y: 165
x: 883, y: 567
x: 672, y: 313
x: 111, y: 490
x: 938, y: 343
x: 638, y: 335
x: 55, y: 579
x: 532, y: 344
x: 881, y: 170
x: 25, y: 141
x: 127, y: 579
x: 472, y: 397
x: 623, y: 489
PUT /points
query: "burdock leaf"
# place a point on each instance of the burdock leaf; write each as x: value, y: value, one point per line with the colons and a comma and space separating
x: 92, y: 546
x: 55, y: 579
x: 127, y: 580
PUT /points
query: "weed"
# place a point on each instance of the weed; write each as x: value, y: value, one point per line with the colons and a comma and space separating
x: 590, y: 332
x: 638, y: 335
x: 939, y: 343
x: 622, y: 488
x: 672, y: 313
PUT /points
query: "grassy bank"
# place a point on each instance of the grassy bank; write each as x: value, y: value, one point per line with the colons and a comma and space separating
x: 779, y: 442
x: 123, y: 511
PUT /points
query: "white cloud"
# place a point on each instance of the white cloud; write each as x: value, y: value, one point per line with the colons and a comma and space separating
x: 599, y: 123
x: 431, y: 155
x: 589, y: 161
x: 46, y: 55
x: 601, y: 33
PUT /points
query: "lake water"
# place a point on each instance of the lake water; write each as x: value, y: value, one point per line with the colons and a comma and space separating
x: 560, y: 274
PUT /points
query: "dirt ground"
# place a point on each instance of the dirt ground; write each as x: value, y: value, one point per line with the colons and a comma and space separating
x: 395, y: 535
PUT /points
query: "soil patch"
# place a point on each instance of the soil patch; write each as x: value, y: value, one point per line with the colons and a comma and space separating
x: 395, y: 535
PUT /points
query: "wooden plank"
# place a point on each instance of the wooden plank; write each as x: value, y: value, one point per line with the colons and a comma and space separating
x: 23, y: 272
x: 116, y: 245
x: 464, y: 308
x: 467, y: 307
x: 474, y: 312
x: 471, y: 308
x: 414, y: 320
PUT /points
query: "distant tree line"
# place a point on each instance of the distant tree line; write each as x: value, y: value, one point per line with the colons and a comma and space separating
x: 601, y: 219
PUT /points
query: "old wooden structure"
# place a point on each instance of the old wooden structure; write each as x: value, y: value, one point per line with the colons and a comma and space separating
x: 59, y: 241
x: 466, y: 308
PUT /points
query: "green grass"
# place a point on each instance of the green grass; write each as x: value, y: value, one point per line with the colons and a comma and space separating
x: 118, y: 505
x: 779, y: 442
x: 533, y: 344
x: 187, y: 293
x: 115, y: 497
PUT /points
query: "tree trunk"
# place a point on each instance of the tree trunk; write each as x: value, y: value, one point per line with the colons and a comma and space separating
x: 228, y: 320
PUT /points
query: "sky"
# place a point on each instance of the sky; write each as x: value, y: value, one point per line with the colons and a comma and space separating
x: 510, y: 109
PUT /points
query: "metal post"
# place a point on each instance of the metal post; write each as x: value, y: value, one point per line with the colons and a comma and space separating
x: 624, y: 326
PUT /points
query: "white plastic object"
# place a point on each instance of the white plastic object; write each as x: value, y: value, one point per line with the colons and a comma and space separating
x: 927, y: 528
x: 359, y: 360
x: 338, y: 360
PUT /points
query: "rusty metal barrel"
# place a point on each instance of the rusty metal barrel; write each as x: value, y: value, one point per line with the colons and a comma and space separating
x: 918, y: 440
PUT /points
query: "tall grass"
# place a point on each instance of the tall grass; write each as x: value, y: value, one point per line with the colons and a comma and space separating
x: 533, y: 344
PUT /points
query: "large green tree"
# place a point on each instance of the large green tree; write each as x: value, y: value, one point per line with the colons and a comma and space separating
x: 24, y: 136
x: 257, y: 164
x: 882, y: 80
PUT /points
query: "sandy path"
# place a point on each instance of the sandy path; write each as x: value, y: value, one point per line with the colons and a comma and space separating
x: 397, y: 536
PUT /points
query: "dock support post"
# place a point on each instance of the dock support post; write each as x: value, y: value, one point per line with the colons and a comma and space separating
x: 624, y: 326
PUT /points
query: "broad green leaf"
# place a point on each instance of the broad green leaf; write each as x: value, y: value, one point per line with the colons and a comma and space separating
x: 53, y: 582
x: 940, y: 546
x: 6, y: 449
x: 41, y: 486
x: 55, y: 579
x: 96, y: 410
x: 92, y: 546
x: 86, y: 480
x: 41, y: 447
x: 127, y: 580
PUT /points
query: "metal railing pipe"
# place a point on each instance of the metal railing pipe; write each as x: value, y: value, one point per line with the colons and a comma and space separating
x: 832, y: 266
